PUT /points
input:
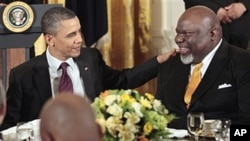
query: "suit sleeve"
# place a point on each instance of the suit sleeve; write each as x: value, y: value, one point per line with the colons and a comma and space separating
x: 242, y: 79
x: 13, y: 103
x: 127, y: 78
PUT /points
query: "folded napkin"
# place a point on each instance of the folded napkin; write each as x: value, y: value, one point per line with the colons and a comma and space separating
x: 177, y: 133
x: 10, y: 133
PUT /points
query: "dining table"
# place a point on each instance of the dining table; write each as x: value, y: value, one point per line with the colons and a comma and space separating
x: 175, y: 134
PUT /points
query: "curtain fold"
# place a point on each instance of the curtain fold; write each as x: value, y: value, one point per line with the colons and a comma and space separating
x: 129, y: 23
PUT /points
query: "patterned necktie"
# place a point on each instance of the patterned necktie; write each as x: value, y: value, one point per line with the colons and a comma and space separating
x: 195, y: 79
x: 65, y: 84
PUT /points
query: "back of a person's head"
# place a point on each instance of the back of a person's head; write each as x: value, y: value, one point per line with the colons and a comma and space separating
x: 2, y: 102
x: 68, y: 117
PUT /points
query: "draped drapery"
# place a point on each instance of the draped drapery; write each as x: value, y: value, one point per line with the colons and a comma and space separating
x: 138, y: 30
x: 129, y: 23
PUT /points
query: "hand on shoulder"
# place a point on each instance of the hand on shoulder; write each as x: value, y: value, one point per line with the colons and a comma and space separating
x: 165, y: 56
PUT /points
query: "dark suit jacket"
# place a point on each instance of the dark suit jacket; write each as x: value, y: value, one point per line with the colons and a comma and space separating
x: 237, y: 32
x: 29, y: 83
x: 224, y: 91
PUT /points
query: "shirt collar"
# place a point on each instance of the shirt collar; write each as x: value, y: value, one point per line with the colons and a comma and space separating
x: 208, y: 58
x: 54, y: 63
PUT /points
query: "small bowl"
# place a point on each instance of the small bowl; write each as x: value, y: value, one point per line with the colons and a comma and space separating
x: 210, y: 126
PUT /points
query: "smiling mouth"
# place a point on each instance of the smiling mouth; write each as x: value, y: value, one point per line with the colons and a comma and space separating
x: 184, y: 51
x: 77, y: 48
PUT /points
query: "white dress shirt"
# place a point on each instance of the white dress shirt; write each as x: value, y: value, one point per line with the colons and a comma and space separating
x: 206, y: 61
x: 55, y: 74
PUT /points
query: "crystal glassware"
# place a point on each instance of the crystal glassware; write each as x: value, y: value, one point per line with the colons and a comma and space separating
x: 195, y: 124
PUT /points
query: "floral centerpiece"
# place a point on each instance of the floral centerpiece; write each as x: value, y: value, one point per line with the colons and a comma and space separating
x: 126, y: 115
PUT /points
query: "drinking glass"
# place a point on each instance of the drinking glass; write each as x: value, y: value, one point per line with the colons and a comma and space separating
x: 195, y: 124
x: 24, y: 131
x: 222, y: 130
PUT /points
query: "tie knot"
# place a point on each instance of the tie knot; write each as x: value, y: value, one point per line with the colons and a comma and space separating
x: 64, y: 66
x: 198, y: 66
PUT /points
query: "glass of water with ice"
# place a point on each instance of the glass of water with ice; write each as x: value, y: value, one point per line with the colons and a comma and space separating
x: 24, y: 131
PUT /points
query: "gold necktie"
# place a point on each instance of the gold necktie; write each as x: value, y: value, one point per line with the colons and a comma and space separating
x: 195, y: 79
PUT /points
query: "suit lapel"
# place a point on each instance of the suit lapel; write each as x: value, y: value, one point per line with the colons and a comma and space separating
x: 85, y: 73
x: 183, y: 84
x: 174, y: 73
x: 42, y: 79
x: 213, y: 71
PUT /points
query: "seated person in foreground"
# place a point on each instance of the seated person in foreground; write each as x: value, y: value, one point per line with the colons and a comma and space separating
x: 33, y: 82
x: 68, y: 117
x: 223, y: 91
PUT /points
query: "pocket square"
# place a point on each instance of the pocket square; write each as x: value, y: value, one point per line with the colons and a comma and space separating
x: 224, y: 86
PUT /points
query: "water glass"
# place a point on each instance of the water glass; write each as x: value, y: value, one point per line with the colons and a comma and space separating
x: 195, y: 124
x: 24, y: 131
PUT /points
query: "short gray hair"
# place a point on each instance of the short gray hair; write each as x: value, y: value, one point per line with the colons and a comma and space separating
x: 52, y: 18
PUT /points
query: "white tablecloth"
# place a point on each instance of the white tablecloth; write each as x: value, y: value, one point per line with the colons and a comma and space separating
x: 10, y: 133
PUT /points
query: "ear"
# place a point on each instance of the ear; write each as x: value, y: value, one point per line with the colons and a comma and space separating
x: 214, y: 33
x: 49, y: 40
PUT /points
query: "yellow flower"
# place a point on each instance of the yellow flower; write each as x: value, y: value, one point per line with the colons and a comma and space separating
x: 150, y: 96
x: 147, y: 128
x: 102, y: 104
x: 127, y: 98
x: 145, y: 102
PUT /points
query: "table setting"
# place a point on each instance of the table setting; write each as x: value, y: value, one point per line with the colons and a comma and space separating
x: 24, y: 131
x: 174, y: 134
x: 127, y: 115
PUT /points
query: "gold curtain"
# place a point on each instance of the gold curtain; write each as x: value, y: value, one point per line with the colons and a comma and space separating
x: 56, y: 2
x: 129, y: 33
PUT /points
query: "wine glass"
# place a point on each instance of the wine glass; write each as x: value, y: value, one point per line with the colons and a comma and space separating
x: 195, y: 124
